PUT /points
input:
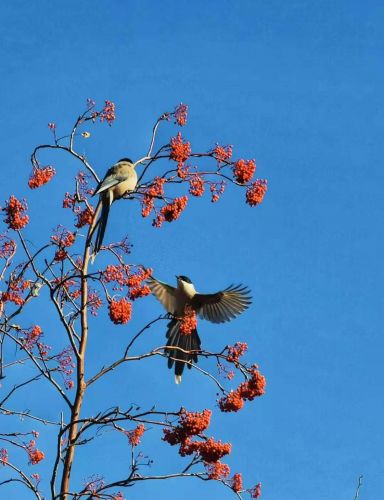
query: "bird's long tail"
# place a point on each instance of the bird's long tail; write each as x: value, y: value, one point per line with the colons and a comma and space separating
x: 177, y: 341
x: 102, y: 224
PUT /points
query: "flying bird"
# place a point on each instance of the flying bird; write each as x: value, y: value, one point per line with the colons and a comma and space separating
x: 120, y: 179
x: 179, y: 302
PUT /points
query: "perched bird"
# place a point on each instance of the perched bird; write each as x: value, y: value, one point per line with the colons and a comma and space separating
x: 119, y: 179
x: 182, y: 303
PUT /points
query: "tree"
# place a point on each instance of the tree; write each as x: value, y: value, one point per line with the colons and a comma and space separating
x: 61, y: 275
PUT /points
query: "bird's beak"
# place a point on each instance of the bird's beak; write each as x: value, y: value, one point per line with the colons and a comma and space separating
x: 176, y: 276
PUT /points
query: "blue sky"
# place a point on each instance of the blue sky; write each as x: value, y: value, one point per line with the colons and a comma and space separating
x: 296, y: 85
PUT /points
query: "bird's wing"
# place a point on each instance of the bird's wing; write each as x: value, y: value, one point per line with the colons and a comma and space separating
x: 166, y: 294
x: 116, y: 174
x: 222, y: 306
x: 109, y: 181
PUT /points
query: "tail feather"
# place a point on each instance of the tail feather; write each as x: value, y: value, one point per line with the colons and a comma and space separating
x: 102, y: 225
x: 176, y: 339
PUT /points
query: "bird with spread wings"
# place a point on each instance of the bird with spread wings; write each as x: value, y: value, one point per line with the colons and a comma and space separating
x: 183, y: 346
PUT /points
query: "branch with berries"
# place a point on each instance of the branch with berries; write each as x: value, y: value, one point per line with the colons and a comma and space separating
x: 61, y: 273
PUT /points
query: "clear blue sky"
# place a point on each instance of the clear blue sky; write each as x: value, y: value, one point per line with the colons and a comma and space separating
x: 297, y: 85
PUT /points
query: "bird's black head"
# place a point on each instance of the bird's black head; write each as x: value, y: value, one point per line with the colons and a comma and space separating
x: 125, y: 159
x: 184, y: 278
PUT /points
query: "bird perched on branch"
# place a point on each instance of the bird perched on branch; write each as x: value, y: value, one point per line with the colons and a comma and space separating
x: 183, y: 303
x: 120, y: 179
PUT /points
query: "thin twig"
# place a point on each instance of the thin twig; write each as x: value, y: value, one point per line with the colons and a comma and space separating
x: 359, y: 484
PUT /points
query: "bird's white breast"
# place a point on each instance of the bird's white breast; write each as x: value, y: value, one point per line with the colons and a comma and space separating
x: 187, y: 289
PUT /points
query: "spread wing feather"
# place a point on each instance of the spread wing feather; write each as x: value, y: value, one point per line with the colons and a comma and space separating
x: 166, y: 294
x: 222, y: 306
